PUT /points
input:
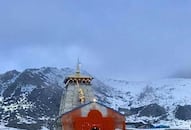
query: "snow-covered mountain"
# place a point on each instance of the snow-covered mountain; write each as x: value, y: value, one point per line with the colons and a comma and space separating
x: 30, y: 99
x: 164, y: 101
x: 166, y: 92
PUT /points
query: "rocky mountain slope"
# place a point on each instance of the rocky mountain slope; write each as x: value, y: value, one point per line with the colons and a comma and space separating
x: 162, y: 102
x: 30, y: 99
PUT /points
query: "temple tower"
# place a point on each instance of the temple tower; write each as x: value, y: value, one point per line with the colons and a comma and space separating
x: 77, y: 91
x: 80, y: 111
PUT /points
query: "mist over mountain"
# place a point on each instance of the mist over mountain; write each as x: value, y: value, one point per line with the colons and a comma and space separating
x: 30, y: 99
x: 185, y: 73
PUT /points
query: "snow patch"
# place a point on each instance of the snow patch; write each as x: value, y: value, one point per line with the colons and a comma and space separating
x: 27, y: 88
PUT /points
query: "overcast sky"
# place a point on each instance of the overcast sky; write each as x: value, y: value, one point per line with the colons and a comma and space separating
x: 123, y: 39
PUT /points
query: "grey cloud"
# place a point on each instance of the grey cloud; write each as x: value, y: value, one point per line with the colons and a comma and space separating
x: 135, y: 40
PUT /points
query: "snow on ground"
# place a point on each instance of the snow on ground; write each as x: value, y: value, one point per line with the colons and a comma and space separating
x: 176, y: 124
x: 2, y: 127
x: 27, y: 88
x: 22, y: 103
x: 44, y: 128
x: 1, y: 99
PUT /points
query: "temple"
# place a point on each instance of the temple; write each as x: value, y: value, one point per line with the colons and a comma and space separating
x: 77, y: 91
x: 80, y: 111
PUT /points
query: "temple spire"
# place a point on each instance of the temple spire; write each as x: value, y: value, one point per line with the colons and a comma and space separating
x: 78, y: 68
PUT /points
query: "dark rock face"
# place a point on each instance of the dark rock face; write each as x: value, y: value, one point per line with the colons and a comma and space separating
x: 183, y: 112
x: 132, y: 111
x: 29, y: 76
x: 153, y: 110
x: 8, y: 75
x: 140, y: 125
x: 47, y: 101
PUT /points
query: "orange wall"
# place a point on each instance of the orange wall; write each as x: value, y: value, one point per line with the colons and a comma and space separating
x: 74, y: 121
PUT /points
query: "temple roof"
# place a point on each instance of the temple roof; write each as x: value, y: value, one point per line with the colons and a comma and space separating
x: 77, y: 76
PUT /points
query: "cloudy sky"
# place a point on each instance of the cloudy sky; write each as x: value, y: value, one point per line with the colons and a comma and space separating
x: 123, y: 39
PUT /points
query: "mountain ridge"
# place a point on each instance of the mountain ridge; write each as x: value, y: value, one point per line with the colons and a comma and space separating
x: 30, y: 99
